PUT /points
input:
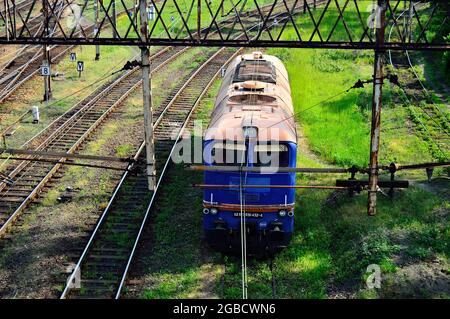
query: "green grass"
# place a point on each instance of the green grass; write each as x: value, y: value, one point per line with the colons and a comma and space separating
x: 171, y: 18
x: 338, y: 130
x: 333, y: 243
x: 177, y: 258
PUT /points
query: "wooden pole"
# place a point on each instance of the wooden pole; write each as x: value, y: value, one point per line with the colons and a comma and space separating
x: 376, y: 109
x: 147, y: 99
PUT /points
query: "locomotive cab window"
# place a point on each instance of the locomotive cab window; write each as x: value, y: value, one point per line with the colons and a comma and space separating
x: 228, y: 154
x: 267, y: 155
x: 255, y: 70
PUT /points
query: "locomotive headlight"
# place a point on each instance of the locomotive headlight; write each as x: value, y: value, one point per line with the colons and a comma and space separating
x: 291, y: 213
x: 213, y: 211
x: 282, y: 213
x: 206, y: 211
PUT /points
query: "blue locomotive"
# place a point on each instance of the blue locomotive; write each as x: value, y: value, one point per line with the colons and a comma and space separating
x: 252, y: 126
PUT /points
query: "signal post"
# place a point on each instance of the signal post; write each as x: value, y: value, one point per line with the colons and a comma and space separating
x: 147, y: 98
x: 376, y: 108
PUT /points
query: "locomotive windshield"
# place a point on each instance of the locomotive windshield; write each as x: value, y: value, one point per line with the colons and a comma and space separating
x: 264, y: 155
x: 267, y: 155
x: 228, y: 154
x: 255, y: 70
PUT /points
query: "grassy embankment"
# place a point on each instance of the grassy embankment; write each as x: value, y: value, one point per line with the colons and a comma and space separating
x: 333, y: 244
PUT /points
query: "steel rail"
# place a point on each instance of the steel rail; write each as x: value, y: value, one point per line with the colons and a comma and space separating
x: 76, y: 145
x: 160, y: 52
x: 39, y: 25
x: 97, y: 227
x: 169, y: 159
x: 433, y: 139
x: 106, y: 212
x: 9, y: 90
x: 70, y: 110
x: 106, y: 88
x: 167, y: 163
x: 118, y: 187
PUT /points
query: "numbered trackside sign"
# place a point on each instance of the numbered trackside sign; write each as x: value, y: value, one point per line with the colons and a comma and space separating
x: 73, y: 57
x: 80, y: 66
x: 45, y: 70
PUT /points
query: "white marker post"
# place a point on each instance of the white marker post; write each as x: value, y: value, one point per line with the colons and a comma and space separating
x: 80, y: 68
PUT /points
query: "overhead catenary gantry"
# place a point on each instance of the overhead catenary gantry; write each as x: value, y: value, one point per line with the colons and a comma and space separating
x: 195, y: 27
x: 165, y: 23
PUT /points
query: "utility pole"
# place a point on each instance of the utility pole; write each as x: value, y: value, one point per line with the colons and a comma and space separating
x: 6, y: 18
x: 114, y: 18
x: 135, y: 11
x: 410, y: 21
x: 376, y: 108
x: 147, y: 98
x: 13, y: 20
x: 97, y: 47
x: 45, y: 52
x: 199, y: 20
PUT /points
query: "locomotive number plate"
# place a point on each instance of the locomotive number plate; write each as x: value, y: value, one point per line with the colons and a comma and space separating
x: 251, y: 215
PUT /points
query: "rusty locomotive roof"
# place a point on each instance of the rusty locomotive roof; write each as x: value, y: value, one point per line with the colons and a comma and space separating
x: 255, y: 92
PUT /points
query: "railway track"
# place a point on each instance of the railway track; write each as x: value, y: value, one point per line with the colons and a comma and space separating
x: 428, y: 120
x: 273, y: 280
x: 27, y: 61
x: 104, y: 263
x: 105, y: 258
x: 67, y: 134
x: 24, y: 6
